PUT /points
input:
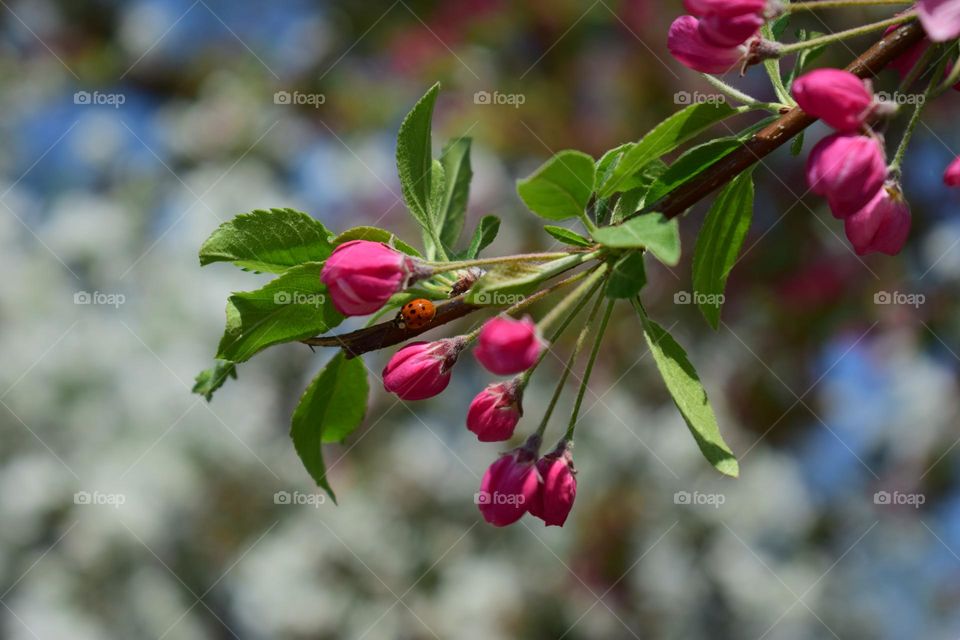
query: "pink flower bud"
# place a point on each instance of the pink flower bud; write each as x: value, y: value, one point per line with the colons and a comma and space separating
x: 729, y: 31
x: 837, y: 97
x: 848, y: 170
x: 688, y: 45
x: 361, y: 276
x: 495, y: 412
x: 509, y: 486
x: 422, y: 370
x: 951, y: 177
x: 558, y: 487
x: 882, y: 226
x: 724, y: 7
x: 940, y: 18
x: 507, y: 346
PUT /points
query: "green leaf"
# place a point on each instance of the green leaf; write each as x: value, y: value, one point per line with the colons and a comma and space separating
x: 268, y: 240
x: 691, y: 164
x: 332, y: 406
x: 485, y: 233
x: 438, y: 190
x: 664, y: 138
x: 627, y: 277
x: 414, y: 158
x: 374, y: 234
x: 719, y: 243
x: 453, y: 208
x: 508, y: 283
x: 796, y: 147
x: 567, y: 236
x: 209, y: 380
x: 561, y: 187
x: 688, y: 394
x: 637, y: 197
x: 779, y: 26
x: 292, y: 307
x: 806, y: 56
x: 650, y: 231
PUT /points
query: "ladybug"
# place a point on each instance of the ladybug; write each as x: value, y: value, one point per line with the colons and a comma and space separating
x: 415, y: 314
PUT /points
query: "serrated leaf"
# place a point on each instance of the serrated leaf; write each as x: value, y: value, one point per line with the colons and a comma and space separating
x: 374, y: 234
x: 209, y: 380
x: 690, y: 165
x: 485, y: 233
x: 567, y: 236
x: 270, y: 240
x: 637, y: 197
x: 332, y: 406
x: 651, y: 231
x: 292, y: 307
x: 414, y: 158
x: 438, y: 182
x: 561, y: 187
x: 688, y: 394
x: 664, y: 138
x: 453, y: 208
x: 506, y: 283
x: 719, y: 242
x: 628, y: 277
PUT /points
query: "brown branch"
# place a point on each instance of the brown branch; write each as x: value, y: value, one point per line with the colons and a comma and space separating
x: 780, y: 131
x: 388, y: 333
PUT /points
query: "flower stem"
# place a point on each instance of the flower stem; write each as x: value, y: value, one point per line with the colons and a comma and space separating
x: 443, y: 267
x: 849, y: 33
x: 589, y: 370
x: 839, y: 4
x: 563, y: 308
x: 772, y: 67
x: 740, y: 96
x: 895, y: 166
x: 568, y: 366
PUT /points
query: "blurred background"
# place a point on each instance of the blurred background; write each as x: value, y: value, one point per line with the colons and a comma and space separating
x: 131, y: 508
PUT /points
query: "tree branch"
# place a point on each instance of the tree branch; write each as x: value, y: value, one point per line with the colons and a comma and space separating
x: 673, y: 204
x: 780, y: 131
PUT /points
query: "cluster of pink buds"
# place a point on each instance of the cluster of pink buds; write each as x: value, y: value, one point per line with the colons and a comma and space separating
x: 361, y: 277
x: 713, y: 39
x: 849, y: 168
x: 518, y: 482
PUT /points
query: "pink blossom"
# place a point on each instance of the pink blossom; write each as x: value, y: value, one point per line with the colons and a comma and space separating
x: 509, y: 486
x: 848, y: 170
x: 361, y: 276
x: 558, y: 487
x: 940, y: 18
x: 951, y: 177
x: 422, y: 370
x: 839, y: 98
x: 688, y: 45
x: 724, y: 7
x: 495, y: 412
x: 506, y: 346
x: 882, y: 226
x: 729, y: 31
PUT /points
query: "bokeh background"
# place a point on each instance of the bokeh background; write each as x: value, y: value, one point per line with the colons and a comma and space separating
x: 133, y: 509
